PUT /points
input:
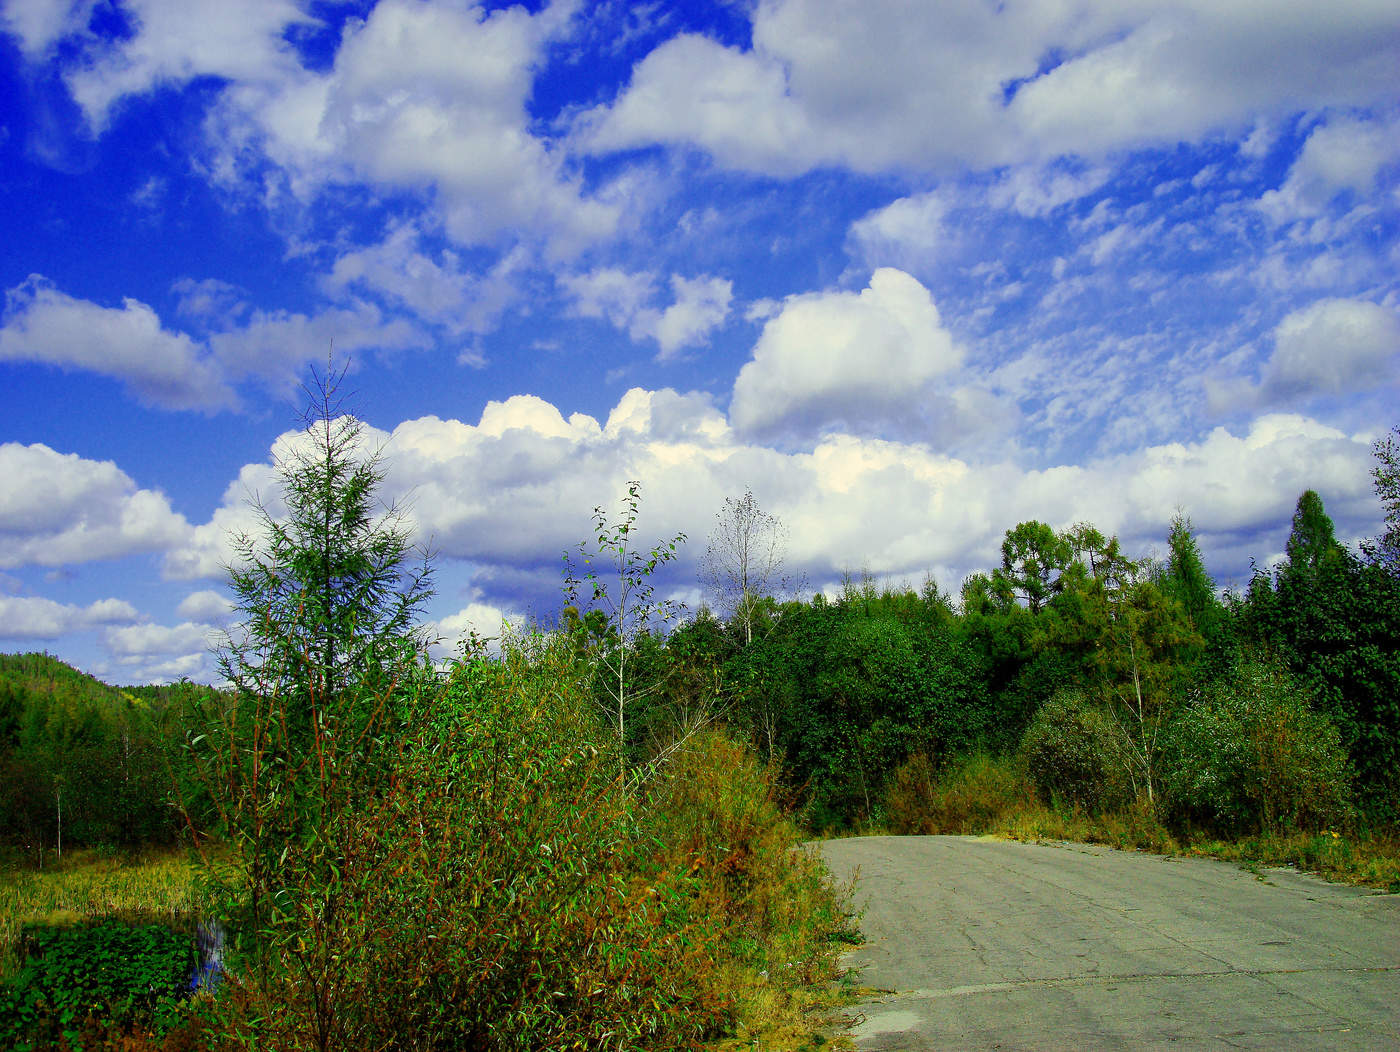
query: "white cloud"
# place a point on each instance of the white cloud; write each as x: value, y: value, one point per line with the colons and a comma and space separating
x: 625, y: 300
x: 486, y: 620
x: 701, y: 305
x: 179, y: 40
x: 907, y: 232
x: 127, y: 343
x: 862, y: 361
x: 34, y: 617
x: 1334, y: 346
x: 503, y: 497
x: 885, y: 84
x: 277, y: 345
x: 206, y: 606
x: 610, y: 293
x: 161, y: 653
x: 429, y: 98
x: 147, y: 641
x: 439, y: 290
x: 1343, y: 154
x: 39, y: 24
x: 59, y: 509
x: 692, y: 90
x: 1037, y: 190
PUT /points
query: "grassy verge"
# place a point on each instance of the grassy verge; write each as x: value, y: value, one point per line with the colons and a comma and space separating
x: 988, y: 795
x: 87, y: 886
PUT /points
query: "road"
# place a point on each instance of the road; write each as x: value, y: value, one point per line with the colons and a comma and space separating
x: 989, y: 944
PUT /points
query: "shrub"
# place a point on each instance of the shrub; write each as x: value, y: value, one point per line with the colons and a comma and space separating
x: 1252, y: 756
x: 1077, y: 753
x: 715, y: 810
x: 971, y: 795
x: 95, y: 981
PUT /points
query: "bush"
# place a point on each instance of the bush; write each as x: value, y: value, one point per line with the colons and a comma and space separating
x: 1252, y: 756
x: 94, y: 981
x: 715, y: 810
x: 1075, y: 752
x: 972, y: 795
x: 503, y: 891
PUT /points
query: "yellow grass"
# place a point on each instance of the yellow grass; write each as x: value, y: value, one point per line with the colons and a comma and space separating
x: 88, y: 886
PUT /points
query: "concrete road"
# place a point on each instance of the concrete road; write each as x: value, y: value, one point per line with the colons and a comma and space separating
x: 988, y: 944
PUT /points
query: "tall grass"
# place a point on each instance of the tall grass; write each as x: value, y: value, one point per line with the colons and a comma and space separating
x: 87, y: 886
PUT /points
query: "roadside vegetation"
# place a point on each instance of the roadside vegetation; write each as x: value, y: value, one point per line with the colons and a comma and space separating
x: 589, y: 834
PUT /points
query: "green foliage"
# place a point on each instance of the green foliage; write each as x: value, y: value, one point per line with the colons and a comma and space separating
x: 80, y: 761
x: 1251, y: 756
x: 1386, y: 474
x: 503, y: 891
x: 1033, y: 556
x: 626, y: 599
x: 327, y: 594
x: 86, y: 984
x: 1333, y: 622
x: 1076, y: 752
x: 1311, y: 542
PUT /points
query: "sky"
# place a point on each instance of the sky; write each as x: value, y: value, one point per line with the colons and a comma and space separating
x: 911, y: 273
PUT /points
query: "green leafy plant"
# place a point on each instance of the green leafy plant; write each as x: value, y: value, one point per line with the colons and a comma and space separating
x: 626, y: 598
x: 102, y: 979
x: 1252, y: 756
x: 1077, y: 753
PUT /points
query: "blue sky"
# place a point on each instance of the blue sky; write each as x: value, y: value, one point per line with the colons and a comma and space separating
x: 913, y: 273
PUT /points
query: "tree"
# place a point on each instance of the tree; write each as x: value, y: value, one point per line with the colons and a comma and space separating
x: 1033, y: 556
x: 744, y: 561
x: 1387, y: 478
x: 627, y: 599
x: 1312, y: 541
x: 329, y: 595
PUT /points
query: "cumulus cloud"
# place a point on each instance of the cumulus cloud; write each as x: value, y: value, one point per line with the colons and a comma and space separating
x: 34, y: 617
x: 1333, y: 346
x: 128, y: 343
x: 626, y: 300
x: 147, y: 641
x: 907, y: 233
x: 58, y: 509
x: 1342, y: 154
x: 178, y: 41
x: 861, y: 361
x: 486, y: 620
x: 39, y: 24
x: 1037, y: 190
x: 880, y: 84
x: 206, y: 606
x: 150, y: 653
x: 501, y: 498
x: 276, y: 346
x: 701, y: 304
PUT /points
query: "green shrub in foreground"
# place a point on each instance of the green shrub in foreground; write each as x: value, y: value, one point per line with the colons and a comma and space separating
x: 93, y: 981
x: 501, y: 891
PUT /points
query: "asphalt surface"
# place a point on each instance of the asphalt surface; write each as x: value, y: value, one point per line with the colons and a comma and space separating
x: 987, y: 944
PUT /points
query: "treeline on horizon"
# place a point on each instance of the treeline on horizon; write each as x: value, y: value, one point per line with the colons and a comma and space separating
x: 1110, y: 680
